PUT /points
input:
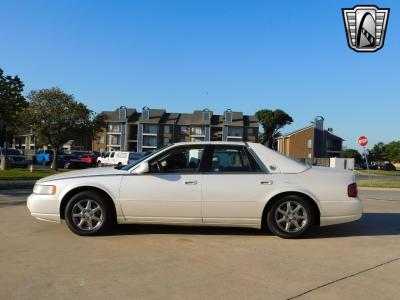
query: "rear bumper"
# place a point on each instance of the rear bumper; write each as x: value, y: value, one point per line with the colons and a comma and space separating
x: 336, y: 212
x: 44, y: 207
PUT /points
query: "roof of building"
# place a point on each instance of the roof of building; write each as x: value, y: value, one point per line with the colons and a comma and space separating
x: 294, y: 132
x: 183, y: 119
x: 155, y: 116
x: 305, y: 128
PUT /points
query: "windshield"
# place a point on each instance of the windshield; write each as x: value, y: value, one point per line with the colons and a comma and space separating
x: 145, y: 155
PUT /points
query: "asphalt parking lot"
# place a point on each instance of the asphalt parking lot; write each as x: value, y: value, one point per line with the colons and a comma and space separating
x: 359, y: 260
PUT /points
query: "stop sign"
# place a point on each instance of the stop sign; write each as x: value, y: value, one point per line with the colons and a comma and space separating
x: 363, y: 141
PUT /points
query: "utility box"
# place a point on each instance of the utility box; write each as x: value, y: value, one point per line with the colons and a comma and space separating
x: 342, y: 163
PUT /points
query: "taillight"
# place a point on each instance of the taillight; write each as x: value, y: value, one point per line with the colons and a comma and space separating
x: 352, y: 190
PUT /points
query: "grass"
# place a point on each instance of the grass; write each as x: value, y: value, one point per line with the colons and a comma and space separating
x: 380, y: 183
x: 25, y: 174
x: 379, y: 172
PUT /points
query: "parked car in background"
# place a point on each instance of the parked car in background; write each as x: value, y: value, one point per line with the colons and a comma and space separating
x: 63, y: 158
x: 117, y: 158
x: 387, y: 167
x: 43, y: 157
x: 14, y: 157
x: 76, y: 163
x: 89, y: 159
x: 202, y: 183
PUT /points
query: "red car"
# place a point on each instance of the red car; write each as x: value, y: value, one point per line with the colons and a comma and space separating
x: 89, y: 159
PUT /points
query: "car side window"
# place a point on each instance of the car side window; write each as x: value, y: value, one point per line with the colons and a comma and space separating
x: 181, y: 160
x: 229, y: 159
x: 112, y: 154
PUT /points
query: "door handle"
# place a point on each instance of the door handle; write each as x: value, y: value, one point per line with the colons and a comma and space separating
x: 266, y: 182
x: 190, y: 182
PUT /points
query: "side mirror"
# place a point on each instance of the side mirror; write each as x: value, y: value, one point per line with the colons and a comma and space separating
x: 141, y: 168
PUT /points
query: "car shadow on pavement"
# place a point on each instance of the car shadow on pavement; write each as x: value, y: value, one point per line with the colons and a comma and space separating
x: 371, y: 224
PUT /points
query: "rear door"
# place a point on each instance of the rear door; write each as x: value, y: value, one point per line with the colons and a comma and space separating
x: 234, y: 186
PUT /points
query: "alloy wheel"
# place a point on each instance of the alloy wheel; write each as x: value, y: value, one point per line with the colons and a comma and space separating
x: 291, y: 216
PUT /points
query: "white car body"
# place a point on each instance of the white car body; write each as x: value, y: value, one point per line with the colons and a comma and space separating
x: 228, y: 199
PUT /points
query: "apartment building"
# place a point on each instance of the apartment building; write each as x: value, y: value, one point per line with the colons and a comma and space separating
x: 146, y: 130
x: 312, y: 141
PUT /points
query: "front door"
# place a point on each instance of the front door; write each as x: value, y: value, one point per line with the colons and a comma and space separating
x: 170, y: 192
x: 234, y: 187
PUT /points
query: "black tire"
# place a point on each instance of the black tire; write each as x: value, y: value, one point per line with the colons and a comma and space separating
x: 304, y: 217
x: 107, y: 214
x: 99, y: 164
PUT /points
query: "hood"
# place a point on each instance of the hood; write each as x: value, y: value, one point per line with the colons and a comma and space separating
x: 83, y: 173
x: 276, y: 162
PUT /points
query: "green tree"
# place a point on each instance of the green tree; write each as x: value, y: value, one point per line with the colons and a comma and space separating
x: 351, y: 153
x: 57, y: 117
x: 11, y: 101
x: 272, y: 121
x: 377, y: 152
x: 392, y: 151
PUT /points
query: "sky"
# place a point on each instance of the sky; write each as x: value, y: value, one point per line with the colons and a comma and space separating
x: 187, y: 55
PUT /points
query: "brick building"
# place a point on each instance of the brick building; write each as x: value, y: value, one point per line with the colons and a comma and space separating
x: 310, y: 142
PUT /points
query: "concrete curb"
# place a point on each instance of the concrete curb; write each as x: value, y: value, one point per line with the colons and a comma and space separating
x: 378, y: 189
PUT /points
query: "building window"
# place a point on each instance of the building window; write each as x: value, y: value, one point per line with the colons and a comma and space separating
x: 251, y: 131
x: 309, y: 143
x: 102, y: 139
x: 197, y: 130
x: 149, y: 141
x: 115, y: 128
x: 114, y: 140
x: 167, y: 129
x: 235, y: 131
x: 150, y: 129
x: 167, y: 141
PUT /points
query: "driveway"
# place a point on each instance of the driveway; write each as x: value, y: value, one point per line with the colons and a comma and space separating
x: 359, y: 260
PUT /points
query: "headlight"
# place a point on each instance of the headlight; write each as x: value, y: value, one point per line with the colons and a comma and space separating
x: 44, y: 189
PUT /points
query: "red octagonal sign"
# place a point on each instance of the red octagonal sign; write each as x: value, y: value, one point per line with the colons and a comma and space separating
x: 363, y: 141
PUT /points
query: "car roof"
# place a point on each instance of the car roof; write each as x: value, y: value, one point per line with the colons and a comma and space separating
x: 240, y: 143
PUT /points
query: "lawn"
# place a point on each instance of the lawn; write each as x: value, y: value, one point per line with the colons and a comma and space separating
x: 21, y: 174
x: 378, y: 172
x: 380, y: 183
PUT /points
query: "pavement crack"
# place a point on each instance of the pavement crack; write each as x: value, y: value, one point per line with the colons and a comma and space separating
x: 345, y: 277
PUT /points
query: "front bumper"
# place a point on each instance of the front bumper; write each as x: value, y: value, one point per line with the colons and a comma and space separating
x: 44, y: 207
x: 337, y: 212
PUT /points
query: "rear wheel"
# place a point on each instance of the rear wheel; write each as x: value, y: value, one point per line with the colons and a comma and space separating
x: 290, y: 217
x: 99, y: 164
x: 87, y: 213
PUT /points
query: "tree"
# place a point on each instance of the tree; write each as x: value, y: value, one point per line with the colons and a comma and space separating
x: 57, y: 117
x: 377, y: 153
x: 11, y: 101
x: 351, y: 153
x: 392, y: 151
x: 272, y: 121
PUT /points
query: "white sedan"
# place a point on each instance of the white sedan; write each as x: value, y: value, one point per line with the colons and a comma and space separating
x: 206, y: 183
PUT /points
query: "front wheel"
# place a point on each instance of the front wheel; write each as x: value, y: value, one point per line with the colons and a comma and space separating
x: 290, y: 217
x: 88, y: 214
